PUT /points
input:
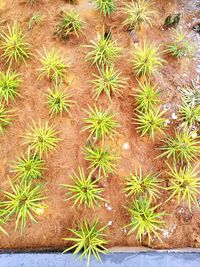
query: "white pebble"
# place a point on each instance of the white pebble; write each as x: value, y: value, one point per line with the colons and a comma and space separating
x: 126, y: 146
x: 110, y: 223
x: 174, y: 116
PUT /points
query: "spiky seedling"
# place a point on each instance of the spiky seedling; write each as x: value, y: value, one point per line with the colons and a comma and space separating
x: 180, y: 46
x: 150, y: 122
x: 13, y: 44
x: 145, y: 220
x: 41, y: 138
x: 100, y: 123
x: 105, y: 7
x: 185, y: 184
x: 183, y: 147
x: 9, y: 85
x: 54, y: 66
x: 28, y: 166
x: 146, y: 59
x: 101, y: 159
x: 59, y: 101
x: 109, y: 81
x: 70, y: 24
x: 138, y: 12
x: 104, y: 51
x: 191, y: 95
x: 5, y: 118
x: 85, y: 190
x: 140, y: 185
x: 172, y: 20
x: 88, y: 240
x: 189, y: 115
x: 34, y: 20
x: 23, y: 202
x: 146, y: 97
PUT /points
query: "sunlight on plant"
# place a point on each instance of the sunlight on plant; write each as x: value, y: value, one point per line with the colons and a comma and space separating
x: 185, y: 184
x: 151, y: 122
x: 85, y: 190
x: 23, y: 202
x: 104, y: 51
x: 102, y: 159
x: 138, y: 12
x: 183, y: 147
x: 146, y: 59
x: 41, y: 138
x: 100, y: 123
x: 191, y: 95
x: 146, y: 96
x: 106, y: 7
x: 13, y: 44
x: 140, y: 185
x: 70, y: 23
x: 9, y: 85
x: 109, y: 81
x: 28, y: 166
x: 59, y: 101
x: 189, y: 115
x: 54, y: 66
x: 88, y: 240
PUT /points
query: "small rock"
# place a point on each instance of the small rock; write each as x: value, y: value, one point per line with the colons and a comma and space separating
x: 174, y: 116
x: 126, y: 146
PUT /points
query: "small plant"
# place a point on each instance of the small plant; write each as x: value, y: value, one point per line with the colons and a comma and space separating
x: 53, y: 66
x: 146, y: 97
x: 103, y: 52
x: 138, y: 12
x: 109, y: 81
x: 150, y: 122
x: 189, y: 115
x: 101, y: 159
x: 106, y: 7
x: 100, y: 123
x: 24, y: 202
x: 183, y: 147
x: 34, y: 20
x: 9, y: 85
x: 145, y: 221
x: 180, y: 46
x: 14, y: 45
x: 139, y: 185
x: 146, y: 59
x: 59, y: 101
x: 88, y: 240
x: 28, y: 166
x: 70, y: 24
x: 41, y: 139
x: 5, y: 118
x: 191, y: 95
x: 184, y: 184
x: 85, y: 190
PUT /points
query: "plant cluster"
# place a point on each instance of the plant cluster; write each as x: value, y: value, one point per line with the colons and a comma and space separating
x: 140, y: 185
x: 70, y: 24
x: 109, y: 81
x: 138, y: 12
x: 9, y: 85
x: 180, y: 46
x: 145, y: 220
x: 13, y: 44
x: 59, y: 101
x: 54, y: 66
x: 85, y: 189
x: 105, y: 7
x: 146, y: 59
x: 88, y: 239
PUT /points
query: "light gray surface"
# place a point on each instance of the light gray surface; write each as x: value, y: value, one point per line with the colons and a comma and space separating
x: 140, y: 259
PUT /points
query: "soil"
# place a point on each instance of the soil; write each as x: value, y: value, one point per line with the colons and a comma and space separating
x: 183, y: 227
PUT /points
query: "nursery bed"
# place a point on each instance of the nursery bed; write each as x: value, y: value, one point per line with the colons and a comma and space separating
x: 183, y: 228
